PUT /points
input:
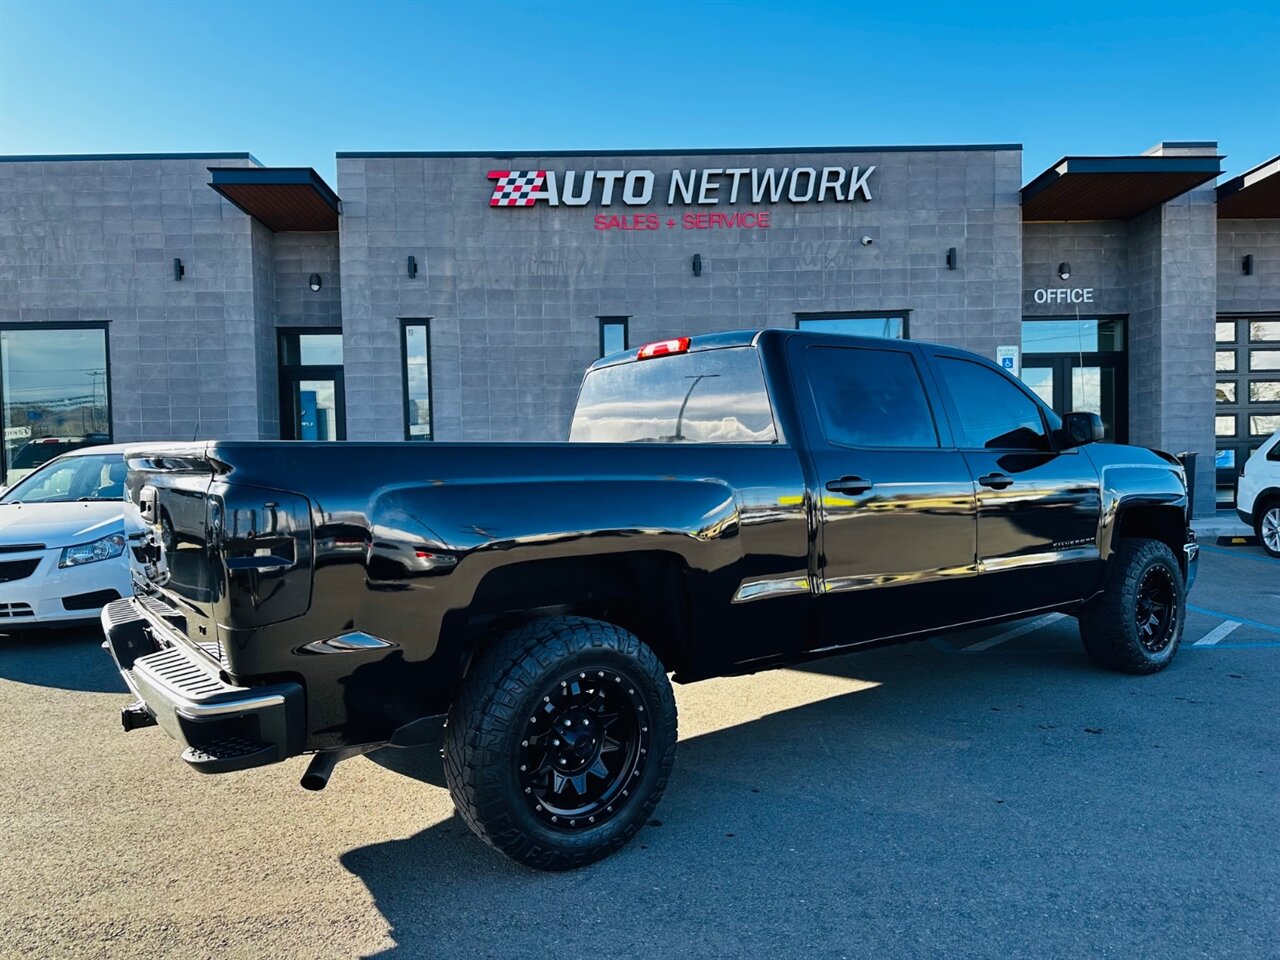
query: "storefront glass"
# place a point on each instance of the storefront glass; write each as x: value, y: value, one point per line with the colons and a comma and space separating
x: 53, y: 395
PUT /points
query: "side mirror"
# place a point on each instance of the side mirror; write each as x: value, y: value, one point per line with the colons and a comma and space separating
x: 1081, y: 428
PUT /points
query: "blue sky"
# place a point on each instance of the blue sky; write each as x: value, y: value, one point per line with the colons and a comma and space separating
x: 293, y: 82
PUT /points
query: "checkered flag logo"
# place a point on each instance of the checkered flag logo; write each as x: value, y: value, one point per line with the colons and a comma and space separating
x: 517, y: 188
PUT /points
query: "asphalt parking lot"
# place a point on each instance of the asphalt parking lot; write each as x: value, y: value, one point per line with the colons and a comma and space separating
x: 990, y: 794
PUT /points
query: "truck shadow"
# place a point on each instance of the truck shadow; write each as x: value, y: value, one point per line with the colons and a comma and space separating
x: 69, y: 659
x: 858, y: 790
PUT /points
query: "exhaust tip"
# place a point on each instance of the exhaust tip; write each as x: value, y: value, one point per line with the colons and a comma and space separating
x: 319, y: 770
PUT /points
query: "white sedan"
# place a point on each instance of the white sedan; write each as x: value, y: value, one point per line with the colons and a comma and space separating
x: 64, y: 541
x: 1258, y: 494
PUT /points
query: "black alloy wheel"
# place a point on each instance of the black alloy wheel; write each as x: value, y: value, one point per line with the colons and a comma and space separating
x: 560, y: 741
x: 1135, y: 624
x: 584, y: 747
x: 1155, y: 609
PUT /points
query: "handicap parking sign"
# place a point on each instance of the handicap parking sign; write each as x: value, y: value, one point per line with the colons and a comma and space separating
x: 1007, y: 357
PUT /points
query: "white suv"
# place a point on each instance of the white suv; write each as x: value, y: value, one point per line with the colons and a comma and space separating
x: 1258, y: 494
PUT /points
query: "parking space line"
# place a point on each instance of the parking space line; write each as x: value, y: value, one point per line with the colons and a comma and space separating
x: 1239, y: 556
x: 1243, y: 645
x: 1217, y: 633
x: 1268, y: 627
x: 1028, y: 627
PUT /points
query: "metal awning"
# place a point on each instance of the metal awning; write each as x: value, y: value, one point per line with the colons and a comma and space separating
x: 1113, y: 188
x: 1254, y: 195
x: 280, y: 198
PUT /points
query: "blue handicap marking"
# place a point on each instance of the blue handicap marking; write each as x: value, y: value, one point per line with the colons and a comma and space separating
x: 1007, y: 362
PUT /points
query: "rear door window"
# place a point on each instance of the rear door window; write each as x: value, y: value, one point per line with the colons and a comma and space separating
x: 869, y: 398
x: 710, y: 396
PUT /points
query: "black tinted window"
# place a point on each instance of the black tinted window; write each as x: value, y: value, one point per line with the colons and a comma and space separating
x: 712, y: 396
x: 870, y: 398
x: 994, y: 413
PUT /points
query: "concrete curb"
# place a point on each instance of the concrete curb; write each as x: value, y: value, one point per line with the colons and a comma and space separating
x: 1210, y: 528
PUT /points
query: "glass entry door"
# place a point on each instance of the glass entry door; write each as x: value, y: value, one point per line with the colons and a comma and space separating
x: 1079, y: 364
x: 314, y: 407
x: 1092, y: 383
x: 312, y: 404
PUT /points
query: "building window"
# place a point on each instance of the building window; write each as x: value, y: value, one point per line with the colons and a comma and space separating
x: 1224, y: 425
x: 311, y: 349
x: 54, y: 393
x: 859, y: 324
x: 1226, y: 391
x: 1264, y: 359
x: 613, y: 335
x: 415, y: 348
x: 1264, y: 331
x: 1224, y: 331
x: 1264, y: 426
x: 1224, y: 361
x: 1264, y: 391
x: 1090, y: 335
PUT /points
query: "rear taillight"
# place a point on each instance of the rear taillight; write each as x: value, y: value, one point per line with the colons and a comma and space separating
x: 661, y: 348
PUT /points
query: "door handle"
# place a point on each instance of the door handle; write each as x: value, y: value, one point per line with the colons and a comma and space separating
x: 849, y: 485
x: 996, y: 481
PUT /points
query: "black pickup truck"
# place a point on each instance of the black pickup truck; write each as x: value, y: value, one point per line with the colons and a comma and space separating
x: 725, y: 504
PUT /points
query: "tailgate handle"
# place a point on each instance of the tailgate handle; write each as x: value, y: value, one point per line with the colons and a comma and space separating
x: 264, y: 553
x: 849, y: 485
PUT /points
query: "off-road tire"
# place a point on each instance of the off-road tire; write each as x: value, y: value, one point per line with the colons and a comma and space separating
x: 485, y: 737
x: 1109, y: 624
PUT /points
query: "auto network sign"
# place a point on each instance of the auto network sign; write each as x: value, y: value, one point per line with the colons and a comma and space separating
x: 710, y: 187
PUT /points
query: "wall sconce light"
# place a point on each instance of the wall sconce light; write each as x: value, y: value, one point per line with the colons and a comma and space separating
x: 314, y: 280
x: 1247, y: 265
x: 1064, y: 270
x: 952, y: 259
x: 412, y: 267
x: 697, y: 264
x: 178, y: 269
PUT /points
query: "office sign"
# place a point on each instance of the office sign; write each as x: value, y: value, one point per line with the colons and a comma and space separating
x: 1063, y: 295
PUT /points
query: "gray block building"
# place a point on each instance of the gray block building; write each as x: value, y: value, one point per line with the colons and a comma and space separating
x: 448, y: 296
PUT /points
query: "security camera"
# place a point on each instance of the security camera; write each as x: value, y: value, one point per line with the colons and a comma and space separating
x: 867, y: 241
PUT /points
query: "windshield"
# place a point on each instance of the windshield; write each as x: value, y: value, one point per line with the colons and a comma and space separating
x: 711, y: 396
x: 67, y: 479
